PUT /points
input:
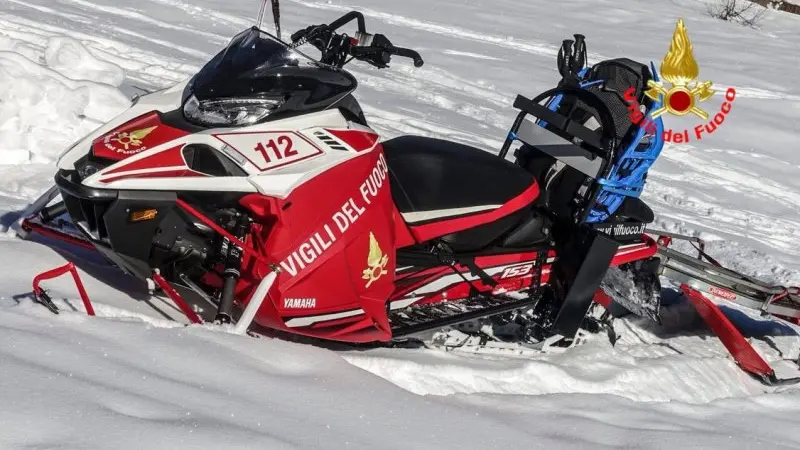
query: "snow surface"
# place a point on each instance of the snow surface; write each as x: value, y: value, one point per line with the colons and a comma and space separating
x: 132, y: 379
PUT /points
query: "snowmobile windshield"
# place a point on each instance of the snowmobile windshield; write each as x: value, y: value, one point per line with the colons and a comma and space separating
x: 250, y: 54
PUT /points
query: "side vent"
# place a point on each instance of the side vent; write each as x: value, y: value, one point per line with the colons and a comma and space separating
x: 329, y: 140
x: 205, y: 159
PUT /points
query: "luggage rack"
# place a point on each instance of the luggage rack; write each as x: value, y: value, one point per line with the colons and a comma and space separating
x: 708, y: 276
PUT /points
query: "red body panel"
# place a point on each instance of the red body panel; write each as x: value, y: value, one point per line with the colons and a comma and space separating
x: 335, y: 248
x: 134, y: 137
x: 168, y: 163
x: 166, y: 159
x: 359, y: 140
x: 635, y: 252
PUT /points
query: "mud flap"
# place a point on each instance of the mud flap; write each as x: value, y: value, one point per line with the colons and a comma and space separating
x: 582, y: 263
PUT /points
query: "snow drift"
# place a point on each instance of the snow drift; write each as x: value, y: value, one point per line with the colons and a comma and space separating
x: 50, y: 101
x: 49, y: 97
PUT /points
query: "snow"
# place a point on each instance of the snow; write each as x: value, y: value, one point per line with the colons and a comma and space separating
x: 131, y: 378
x: 52, y: 92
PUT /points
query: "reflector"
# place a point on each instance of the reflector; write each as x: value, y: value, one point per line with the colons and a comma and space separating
x: 142, y: 215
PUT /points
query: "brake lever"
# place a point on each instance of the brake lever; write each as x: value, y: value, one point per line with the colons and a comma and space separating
x: 380, y: 45
x: 299, y: 35
x: 408, y: 53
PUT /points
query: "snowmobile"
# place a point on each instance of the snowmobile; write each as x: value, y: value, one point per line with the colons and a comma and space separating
x: 259, y: 186
x: 260, y: 182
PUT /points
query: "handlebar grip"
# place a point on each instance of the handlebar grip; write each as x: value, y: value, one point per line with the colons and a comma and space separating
x: 300, y: 34
x: 307, y: 33
x: 359, y: 52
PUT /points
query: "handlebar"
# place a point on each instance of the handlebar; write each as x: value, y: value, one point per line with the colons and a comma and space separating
x: 345, y: 19
x: 335, y: 48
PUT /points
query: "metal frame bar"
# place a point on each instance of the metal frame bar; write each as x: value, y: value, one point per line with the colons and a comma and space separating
x: 720, y: 282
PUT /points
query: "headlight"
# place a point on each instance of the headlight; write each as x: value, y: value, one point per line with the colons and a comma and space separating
x: 230, y: 111
x: 88, y: 169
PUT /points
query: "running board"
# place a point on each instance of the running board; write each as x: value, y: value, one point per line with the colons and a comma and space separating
x: 417, y: 319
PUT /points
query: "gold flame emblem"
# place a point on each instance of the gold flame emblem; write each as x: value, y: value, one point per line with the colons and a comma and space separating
x: 679, y: 68
x: 134, y: 138
x: 376, y: 262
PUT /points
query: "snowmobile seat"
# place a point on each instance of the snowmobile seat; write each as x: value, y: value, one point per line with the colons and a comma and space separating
x: 463, y: 195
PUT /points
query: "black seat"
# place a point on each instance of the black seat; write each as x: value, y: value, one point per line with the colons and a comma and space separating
x: 435, y: 180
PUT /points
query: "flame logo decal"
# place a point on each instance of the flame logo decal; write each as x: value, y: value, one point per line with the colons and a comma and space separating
x: 680, y: 68
x: 376, y: 262
x: 134, y: 138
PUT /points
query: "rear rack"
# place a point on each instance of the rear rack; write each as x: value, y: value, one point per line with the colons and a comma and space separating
x: 711, y: 278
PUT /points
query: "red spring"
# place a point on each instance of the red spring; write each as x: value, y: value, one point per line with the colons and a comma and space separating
x: 57, y: 272
x: 176, y: 297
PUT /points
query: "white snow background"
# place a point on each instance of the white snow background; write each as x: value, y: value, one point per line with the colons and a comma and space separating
x: 131, y: 379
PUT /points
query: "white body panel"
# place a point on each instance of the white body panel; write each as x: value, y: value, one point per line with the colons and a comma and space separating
x: 277, y: 155
x: 166, y: 100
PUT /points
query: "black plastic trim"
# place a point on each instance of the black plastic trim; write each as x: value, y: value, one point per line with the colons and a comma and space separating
x: 79, y: 190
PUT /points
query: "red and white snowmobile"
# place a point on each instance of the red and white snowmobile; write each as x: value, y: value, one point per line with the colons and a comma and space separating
x: 259, y: 186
